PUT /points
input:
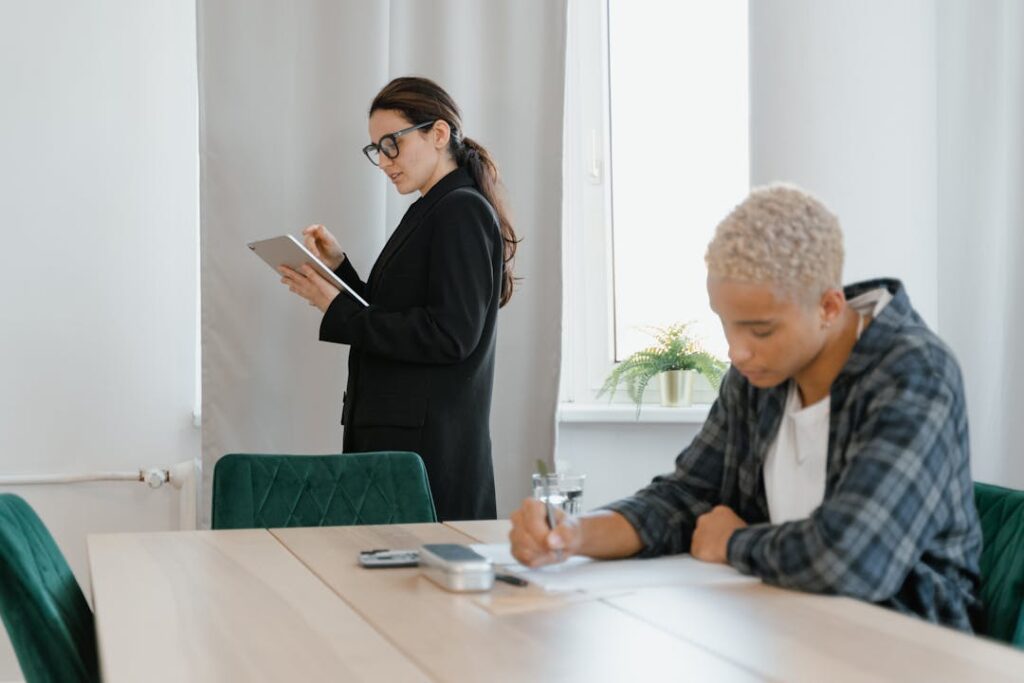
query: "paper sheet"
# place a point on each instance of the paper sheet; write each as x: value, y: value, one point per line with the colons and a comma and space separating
x: 584, y: 574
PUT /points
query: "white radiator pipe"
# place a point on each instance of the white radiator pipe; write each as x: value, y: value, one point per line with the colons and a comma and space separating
x: 154, y: 477
x: 182, y: 476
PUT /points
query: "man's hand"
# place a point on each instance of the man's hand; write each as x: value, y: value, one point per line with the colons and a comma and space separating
x: 710, y: 541
x: 309, y: 285
x: 534, y: 543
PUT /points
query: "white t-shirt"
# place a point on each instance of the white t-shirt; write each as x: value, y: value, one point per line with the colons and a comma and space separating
x: 794, y: 471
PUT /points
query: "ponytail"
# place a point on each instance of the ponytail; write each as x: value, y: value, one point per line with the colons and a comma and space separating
x: 477, y: 161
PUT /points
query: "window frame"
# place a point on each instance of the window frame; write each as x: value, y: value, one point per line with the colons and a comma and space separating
x: 588, y: 332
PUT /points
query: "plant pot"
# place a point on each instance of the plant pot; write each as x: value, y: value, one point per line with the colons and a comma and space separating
x: 676, y: 387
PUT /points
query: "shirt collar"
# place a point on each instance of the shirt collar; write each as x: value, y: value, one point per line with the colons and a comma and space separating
x: 877, y: 337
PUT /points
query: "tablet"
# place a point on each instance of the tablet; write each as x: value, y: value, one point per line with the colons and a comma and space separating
x: 288, y: 251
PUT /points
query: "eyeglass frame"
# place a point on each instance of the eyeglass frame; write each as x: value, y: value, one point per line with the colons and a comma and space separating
x: 394, y: 140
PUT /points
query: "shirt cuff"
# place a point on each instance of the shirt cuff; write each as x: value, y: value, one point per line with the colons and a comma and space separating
x: 740, y: 549
x: 346, y: 271
x: 332, y: 326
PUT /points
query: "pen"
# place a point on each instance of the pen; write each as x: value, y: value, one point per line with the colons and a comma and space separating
x: 514, y: 580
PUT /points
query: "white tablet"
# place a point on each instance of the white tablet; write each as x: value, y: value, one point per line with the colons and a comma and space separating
x: 288, y: 251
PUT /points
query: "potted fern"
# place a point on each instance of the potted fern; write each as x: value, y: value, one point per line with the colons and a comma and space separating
x: 674, y: 358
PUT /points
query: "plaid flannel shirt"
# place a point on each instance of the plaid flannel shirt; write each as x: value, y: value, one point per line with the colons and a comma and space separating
x: 897, y: 525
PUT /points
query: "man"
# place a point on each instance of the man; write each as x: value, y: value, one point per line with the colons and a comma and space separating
x: 835, y: 459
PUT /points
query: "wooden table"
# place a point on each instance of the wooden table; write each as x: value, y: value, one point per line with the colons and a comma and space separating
x: 226, y: 606
x: 291, y: 604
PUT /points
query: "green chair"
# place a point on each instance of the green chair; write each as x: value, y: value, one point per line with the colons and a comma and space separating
x: 1002, y: 561
x: 46, y: 615
x: 263, y: 491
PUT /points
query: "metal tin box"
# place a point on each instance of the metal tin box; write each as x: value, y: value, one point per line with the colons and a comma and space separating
x: 456, y: 567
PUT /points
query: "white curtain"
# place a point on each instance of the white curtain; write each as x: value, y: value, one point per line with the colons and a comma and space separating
x: 981, y: 221
x: 284, y: 92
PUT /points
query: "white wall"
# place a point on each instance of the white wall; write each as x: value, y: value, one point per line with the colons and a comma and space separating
x: 98, y: 216
x: 619, y: 458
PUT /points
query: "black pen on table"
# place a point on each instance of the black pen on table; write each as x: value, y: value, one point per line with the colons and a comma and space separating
x: 511, y: 579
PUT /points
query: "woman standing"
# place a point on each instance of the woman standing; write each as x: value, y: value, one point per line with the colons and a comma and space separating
x: 421, y: 364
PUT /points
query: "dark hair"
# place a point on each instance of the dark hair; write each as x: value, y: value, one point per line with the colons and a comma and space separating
x: 421, y: 99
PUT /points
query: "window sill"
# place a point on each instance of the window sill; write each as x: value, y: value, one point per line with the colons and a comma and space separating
x: 623, y: 413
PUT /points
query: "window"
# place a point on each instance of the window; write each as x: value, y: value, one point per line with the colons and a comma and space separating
x: 667, y: 106
x: 680, y: 156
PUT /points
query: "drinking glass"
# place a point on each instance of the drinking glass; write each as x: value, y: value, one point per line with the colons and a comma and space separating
x: 564, y: 491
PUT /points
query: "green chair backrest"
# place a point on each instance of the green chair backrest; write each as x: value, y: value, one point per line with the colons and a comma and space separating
x: 264, y: 491
x: 46, y: 615
x: 1002, y: 561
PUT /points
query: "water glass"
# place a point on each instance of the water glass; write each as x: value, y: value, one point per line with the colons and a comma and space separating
x: 563, y: 491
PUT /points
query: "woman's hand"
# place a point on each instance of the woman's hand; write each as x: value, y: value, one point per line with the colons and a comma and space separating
x: 323, y: 245
x: 309, y: 285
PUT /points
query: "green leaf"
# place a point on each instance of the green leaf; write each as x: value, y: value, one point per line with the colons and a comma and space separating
x: 674, y: 350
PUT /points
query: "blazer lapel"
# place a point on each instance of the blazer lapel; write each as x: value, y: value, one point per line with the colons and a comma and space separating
x: 413, y: 218
x: 397, y: 239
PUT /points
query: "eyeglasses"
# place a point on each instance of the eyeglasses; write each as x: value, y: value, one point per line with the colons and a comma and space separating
x: 388, y: 144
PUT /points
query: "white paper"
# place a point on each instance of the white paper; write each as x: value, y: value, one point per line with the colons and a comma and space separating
x: 581, y: 573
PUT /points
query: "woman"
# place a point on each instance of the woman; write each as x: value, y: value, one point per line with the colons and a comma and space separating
x: 421, y: 365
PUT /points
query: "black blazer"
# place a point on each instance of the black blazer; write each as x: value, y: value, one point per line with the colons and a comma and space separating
x: 421, y: 366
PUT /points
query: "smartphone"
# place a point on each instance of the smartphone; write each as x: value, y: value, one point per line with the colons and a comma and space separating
x: 456, y: 567
x: 380, y: 558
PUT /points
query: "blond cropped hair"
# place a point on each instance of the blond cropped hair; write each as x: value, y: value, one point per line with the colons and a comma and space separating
x: 779, y: 235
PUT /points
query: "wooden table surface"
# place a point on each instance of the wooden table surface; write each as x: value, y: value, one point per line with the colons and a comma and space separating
x: 292, y: 604
x: 452, y: 638
x: 226, y: 606
x: 484, y: 531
